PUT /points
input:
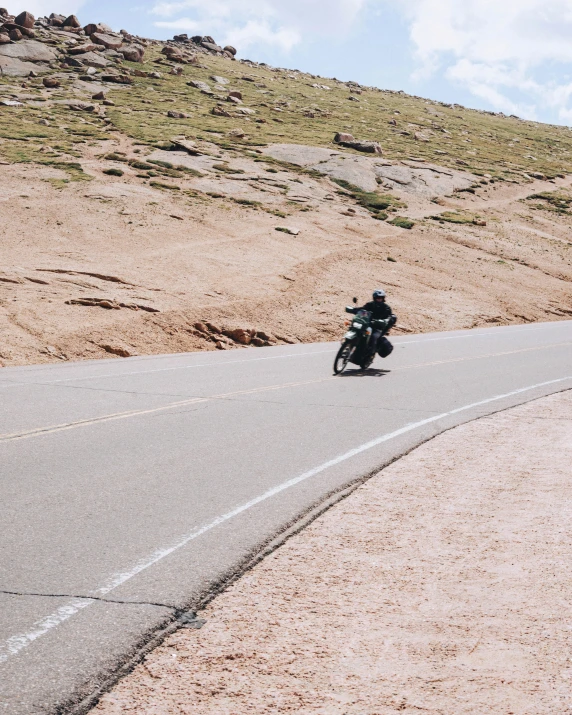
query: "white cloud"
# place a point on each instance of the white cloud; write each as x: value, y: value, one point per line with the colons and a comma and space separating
x: 502, y: 52
x: 271, y: 22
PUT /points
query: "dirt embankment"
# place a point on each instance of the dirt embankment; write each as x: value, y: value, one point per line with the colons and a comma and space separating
x: 113, y: 265
x: 440, y: 586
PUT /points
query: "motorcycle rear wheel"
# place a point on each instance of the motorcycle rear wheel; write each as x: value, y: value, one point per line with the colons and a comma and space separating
x: 343, y: 357
x: 367, y: 362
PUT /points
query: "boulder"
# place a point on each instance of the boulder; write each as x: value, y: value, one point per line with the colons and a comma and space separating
x: 13, y: 67
x: 90, y: 29
x: 239, y: 335
x: 4, y: 38
x: 418, y: 136
x: 4, y: 12
x: 235, y: 93
x: 81, y: 49
x: 219, y: 111
x: 177, y: 115
x: 133, y: 53
x: 25, y: 19
x: 117, y: 78
x: 234, y: 100
x: 176, y: 70
x: 210, y: 46
x: 208, y: 38
x: 51, y: 82
x: 111, y: 42
x: 90, y: 59
x: 99, y: 96
x: 72, y: 21
x: 219, y: 80
x: 230, y: 49
x: 29, y: 51
x: 349, y: 141
x: 198, y: 84
x: 15, y: 35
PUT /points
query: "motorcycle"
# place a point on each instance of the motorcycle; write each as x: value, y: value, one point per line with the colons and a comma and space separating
x: 357, y: 345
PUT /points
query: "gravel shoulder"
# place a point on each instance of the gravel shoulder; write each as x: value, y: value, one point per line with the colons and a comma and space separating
x: 439, y: 586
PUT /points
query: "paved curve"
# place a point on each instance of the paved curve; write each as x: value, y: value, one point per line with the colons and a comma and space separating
x: 128, y: 488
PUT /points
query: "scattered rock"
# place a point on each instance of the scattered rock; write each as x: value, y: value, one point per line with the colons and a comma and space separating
x: 348, y: 140
x: 236, y: 133
x: 117, y: 78
x: 233, y: 99
x: 178, y: 70
x: 420, y: 137
x: 219, y: 111
x: 72, y: 21
x: 25, y: 19
x: 121, y: 351
x: 219, y: 80
x: 197, y: 84
x: 111, y: 42
x: 51, y: 82
x: 89, y: 59
x: 236, y: 94
x: 343, y: 138
x: 99, y: 96
x: 133, y: 53
x: 240, y: 335
x: 211, y: 46
x: 177, y: 115
x: 291, y: 231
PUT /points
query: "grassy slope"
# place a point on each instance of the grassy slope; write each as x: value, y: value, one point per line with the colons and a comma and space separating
x: 501, y: 146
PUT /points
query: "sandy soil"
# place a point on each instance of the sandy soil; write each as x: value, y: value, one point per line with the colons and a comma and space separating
x: 440, y: 586
x: 195, y: 257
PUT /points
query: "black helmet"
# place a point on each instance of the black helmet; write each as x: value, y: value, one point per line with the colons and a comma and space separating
x: 379, y: 293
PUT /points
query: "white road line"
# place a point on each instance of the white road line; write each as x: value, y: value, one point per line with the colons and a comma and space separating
x: 17, y: 643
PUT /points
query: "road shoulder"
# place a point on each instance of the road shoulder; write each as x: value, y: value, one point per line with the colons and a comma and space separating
x: 439, y: 585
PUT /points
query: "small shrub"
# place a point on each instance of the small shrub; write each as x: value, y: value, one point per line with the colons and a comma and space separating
x: 402, y: 222
x: 114, y: 156
x: 113, y: 172
x: 227, y: 169
x: 160, y: 185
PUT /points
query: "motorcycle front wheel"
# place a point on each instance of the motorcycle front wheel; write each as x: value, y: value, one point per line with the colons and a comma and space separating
x: 343, y: 357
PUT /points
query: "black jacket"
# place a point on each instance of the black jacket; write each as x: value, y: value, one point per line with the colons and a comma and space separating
x: 381, y: 311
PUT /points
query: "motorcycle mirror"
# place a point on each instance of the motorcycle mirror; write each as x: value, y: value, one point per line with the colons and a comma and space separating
x: 354, y: 300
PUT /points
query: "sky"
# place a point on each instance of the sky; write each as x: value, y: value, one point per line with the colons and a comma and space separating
x: 511, y: 56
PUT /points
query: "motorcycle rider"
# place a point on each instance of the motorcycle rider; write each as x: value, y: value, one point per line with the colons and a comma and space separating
x: 380, y: 310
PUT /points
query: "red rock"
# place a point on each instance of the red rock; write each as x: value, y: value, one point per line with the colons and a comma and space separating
x: 15, y: 35
x: 72, y: 21
x: 111, y: 42
x: 51, y: 82
x: 239, y: 335
x: 235, y: 93
x: 25, y: 19
x: 133, y: 53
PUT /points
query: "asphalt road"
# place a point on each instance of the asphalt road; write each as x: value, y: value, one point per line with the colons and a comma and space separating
x: 130, y: 488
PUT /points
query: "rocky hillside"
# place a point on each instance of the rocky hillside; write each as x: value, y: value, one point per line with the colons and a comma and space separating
x: 164, y: 196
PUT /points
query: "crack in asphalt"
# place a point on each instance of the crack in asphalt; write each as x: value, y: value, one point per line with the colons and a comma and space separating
x: 34, y: 594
